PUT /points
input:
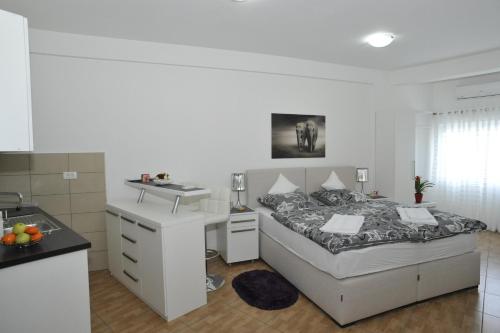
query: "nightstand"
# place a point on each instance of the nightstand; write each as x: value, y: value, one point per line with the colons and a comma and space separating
x: 377, y: 197
x: 238, y: 239
x: 423, y: 204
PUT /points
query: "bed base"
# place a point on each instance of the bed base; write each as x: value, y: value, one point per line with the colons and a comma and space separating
x: 352, y: 299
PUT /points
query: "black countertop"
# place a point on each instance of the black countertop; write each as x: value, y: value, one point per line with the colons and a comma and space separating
x: 61, y: 241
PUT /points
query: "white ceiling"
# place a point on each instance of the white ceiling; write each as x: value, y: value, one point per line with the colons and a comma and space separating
x: 324, y: 30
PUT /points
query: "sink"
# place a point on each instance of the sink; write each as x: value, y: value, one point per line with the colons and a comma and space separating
x: 44, y: 224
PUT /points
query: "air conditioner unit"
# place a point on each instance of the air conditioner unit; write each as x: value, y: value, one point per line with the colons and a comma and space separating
x: 479, y: 90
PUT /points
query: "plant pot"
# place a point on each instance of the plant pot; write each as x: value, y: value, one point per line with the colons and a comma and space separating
x: 418, y: 197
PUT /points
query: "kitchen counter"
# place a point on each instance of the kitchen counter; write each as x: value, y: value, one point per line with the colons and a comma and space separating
x: 59, y: 242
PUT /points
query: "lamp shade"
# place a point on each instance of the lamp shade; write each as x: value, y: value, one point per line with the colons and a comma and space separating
x: 238, y: 182
x: 362, y: 175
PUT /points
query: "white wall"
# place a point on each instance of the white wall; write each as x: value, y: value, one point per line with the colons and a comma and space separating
x: 199, y: 123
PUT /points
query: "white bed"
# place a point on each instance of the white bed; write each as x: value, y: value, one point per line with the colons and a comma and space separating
x: 366, y: 260
x: 357, y: 284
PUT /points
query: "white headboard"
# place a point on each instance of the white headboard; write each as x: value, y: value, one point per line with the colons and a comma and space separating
x: 259, y: 181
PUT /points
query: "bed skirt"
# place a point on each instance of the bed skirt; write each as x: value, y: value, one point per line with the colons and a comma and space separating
x: 351, y: 299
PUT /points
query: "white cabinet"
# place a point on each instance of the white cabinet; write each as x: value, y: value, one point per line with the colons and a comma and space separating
x: 16, y: 132
x: 158, y: 256
x: 113, y: 238
x: 151, y: 265
x: 238, y: 240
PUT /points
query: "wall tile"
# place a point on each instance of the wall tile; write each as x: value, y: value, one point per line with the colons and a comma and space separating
x: 88, y: 182
x: 53, y: 204
x: 88, y: 222
x: 98, y: 260
x: 14, y: 164
x: 98, y: 240
x: 48, y: 163
x: 64, y: 218
x: 15, y: 184
x: 86, y: 162
x: 88, y: 202
x: 49, y: 184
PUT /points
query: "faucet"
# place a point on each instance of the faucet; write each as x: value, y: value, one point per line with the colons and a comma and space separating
x: 19, y: 198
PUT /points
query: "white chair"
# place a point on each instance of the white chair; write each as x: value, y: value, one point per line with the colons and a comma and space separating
x: 215, y: 209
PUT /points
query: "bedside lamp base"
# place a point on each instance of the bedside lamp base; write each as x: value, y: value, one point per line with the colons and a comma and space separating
x: 238, y: 204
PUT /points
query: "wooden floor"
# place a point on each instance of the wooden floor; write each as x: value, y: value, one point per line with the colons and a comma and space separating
x: 115, y: 309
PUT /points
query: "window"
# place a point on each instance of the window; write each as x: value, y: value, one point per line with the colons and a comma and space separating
x: 465, y: 163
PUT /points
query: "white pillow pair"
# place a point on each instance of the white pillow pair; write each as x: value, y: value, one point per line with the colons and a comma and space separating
x: 283, y: 185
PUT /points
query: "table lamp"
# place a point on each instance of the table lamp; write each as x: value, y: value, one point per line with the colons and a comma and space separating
x: 238, y: 185
x: 362, y: 177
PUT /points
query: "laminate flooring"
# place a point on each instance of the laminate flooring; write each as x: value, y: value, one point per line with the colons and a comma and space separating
x: 115, y: 309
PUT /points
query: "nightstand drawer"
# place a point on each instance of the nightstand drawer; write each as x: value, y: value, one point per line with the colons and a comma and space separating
x: 243, y: 243
x: 243, y: 221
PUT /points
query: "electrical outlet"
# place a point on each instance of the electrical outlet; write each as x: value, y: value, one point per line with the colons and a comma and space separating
x: 70, y: 175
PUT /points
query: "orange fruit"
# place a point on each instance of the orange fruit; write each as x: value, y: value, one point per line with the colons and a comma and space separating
x: 36, y: 237
x: 31, y: 230
x: 9, y: 239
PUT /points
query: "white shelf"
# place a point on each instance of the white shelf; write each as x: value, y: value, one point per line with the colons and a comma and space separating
x: 173, y: 189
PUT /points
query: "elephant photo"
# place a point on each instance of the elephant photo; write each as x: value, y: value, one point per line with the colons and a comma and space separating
x: 311, y: 135
x: 300, y: 128
x: 298, y: 135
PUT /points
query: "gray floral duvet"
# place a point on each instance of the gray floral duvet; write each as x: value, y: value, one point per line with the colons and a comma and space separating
x: 382, y: 225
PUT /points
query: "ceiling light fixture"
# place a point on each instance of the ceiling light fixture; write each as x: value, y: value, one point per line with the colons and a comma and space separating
x: 239, y: 0
x: 380, y: 39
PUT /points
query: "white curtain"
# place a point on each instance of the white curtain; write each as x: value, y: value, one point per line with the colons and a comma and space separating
x: 465, y: 163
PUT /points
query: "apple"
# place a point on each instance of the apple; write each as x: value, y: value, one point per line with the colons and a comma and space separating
x: 19, y: 228
x: 22, y: 238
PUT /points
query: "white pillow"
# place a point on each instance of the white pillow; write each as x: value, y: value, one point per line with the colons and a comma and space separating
x: 333, y: 183
x: 282, y: 185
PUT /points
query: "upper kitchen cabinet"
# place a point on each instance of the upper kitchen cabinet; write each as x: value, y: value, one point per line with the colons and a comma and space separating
x: 16, y: 130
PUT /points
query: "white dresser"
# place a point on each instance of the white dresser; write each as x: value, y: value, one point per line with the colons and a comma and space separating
x: 158, y: 256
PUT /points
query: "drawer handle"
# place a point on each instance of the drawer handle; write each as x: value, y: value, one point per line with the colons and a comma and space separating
x: 130, y: 276
x: 128, y: 220
x: 129, y: 257
x: 243, y: 230
x: 129, y: 239
x: 111, y: 213
x: 242, y: 221
x: 146, y: 227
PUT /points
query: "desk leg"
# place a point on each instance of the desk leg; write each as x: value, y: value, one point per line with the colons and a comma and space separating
x: 176, y: 204
x: 141, y: 196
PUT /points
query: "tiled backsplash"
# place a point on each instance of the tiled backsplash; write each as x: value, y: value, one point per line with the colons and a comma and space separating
x: 79, y: 203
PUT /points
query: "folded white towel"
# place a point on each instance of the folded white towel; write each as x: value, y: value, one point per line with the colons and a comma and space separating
x: 343, y: 224
x: 416, y: 216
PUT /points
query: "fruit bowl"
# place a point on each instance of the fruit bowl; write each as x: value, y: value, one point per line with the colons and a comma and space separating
x: 22, y: 235
x: 29, y: 244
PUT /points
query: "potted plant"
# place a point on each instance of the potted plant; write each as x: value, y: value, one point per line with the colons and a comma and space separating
x: 420, y: 187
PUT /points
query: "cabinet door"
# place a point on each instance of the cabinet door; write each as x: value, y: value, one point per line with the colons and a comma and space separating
x: 16, y: 132
x: 151, y: 265
x: 114, y: 243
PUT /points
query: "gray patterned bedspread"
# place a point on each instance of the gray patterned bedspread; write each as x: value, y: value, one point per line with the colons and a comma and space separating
x: 382, y: 225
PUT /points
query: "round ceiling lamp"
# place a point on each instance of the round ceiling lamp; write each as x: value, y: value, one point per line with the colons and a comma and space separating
x: 380, y: 39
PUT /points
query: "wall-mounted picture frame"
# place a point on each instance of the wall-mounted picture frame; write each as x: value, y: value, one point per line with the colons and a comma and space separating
x: 298, y: 136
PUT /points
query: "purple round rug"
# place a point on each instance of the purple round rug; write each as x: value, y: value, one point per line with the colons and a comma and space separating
x: 265, y: 290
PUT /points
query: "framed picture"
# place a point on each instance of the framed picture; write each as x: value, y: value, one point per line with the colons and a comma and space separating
x: 297, y: 135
